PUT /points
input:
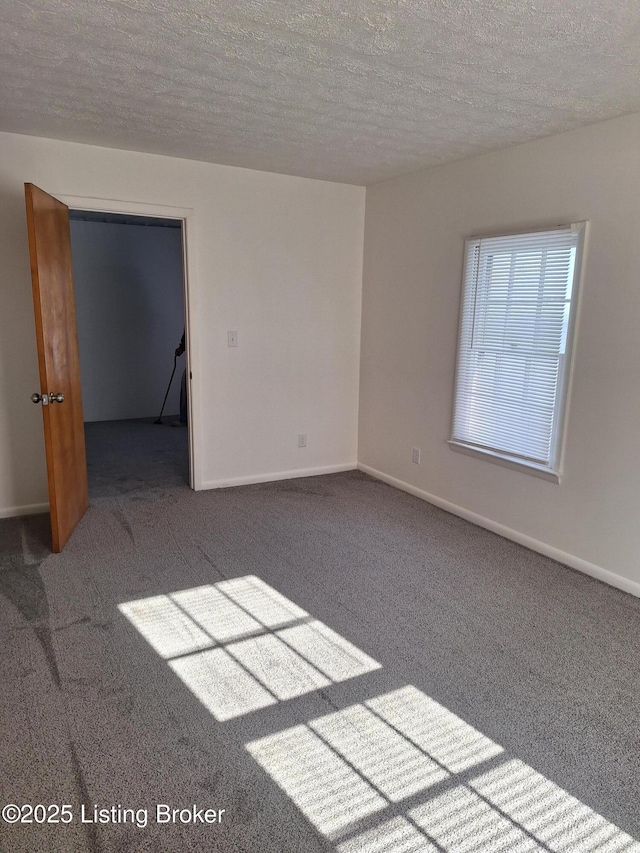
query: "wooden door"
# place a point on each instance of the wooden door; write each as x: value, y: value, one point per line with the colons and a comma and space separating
x: 54, y: 307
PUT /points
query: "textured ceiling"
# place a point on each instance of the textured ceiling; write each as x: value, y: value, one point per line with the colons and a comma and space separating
x: 345, y: 90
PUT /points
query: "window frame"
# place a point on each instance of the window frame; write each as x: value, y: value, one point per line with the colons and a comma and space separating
x: 553, y: 471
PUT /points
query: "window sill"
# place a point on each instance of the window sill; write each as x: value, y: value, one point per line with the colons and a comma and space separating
x: 506, y: 461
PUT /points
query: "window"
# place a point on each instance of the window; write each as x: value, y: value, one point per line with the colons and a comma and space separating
x: 518, y: 303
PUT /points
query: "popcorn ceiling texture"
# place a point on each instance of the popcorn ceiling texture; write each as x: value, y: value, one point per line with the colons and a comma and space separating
x: 345, y: 90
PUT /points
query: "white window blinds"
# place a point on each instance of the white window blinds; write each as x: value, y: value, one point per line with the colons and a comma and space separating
x: 516, y: 309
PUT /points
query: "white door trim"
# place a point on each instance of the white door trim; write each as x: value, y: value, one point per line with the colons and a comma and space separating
x: 186, y: 215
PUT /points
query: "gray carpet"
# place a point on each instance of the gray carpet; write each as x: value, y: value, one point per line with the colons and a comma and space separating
x: 136, y: 456
x: 132, y: 705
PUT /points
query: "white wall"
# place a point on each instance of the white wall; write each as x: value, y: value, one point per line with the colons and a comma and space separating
x: 130, y: 317
x: 276, y: 258
x: 415, y: 228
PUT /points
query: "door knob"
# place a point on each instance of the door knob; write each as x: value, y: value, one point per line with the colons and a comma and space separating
x: 45, y: 399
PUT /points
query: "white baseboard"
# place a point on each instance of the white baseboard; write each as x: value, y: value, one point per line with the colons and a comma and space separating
x: 570, y: 560
x: 29, y: 509
x: 278, y: 475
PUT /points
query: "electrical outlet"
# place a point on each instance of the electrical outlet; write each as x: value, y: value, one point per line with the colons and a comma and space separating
x: 416, y: 455
x: 232, y: 339
x: 302, y: 439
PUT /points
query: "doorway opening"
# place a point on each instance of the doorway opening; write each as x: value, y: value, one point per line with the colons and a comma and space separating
x: 130, y: 295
